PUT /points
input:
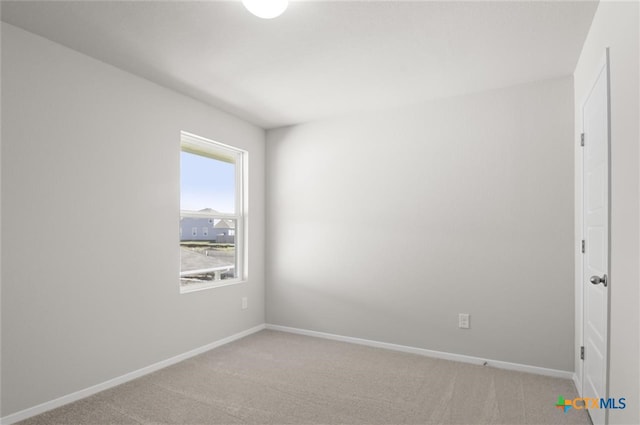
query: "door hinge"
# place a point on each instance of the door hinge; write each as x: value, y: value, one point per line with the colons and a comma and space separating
x: 583, y: 246
x: 582, y: 353
x: 581, y: 139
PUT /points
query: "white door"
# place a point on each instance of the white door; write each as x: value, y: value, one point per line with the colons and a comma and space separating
x: 595, y: 271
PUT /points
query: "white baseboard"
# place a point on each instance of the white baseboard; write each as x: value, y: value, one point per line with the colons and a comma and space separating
x: 577, y: 383
x: 430, y: 353
x: 69, y: 398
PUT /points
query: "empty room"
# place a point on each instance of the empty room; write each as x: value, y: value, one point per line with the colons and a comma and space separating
x: 319, y: 212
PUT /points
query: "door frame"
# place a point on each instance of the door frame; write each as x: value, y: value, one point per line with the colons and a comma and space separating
x: 602, y: 66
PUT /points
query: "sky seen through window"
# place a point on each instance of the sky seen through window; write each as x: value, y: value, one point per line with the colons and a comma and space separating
x: 206, y: 183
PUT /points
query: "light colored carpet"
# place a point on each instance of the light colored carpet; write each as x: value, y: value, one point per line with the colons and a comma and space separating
x: 278, y: 378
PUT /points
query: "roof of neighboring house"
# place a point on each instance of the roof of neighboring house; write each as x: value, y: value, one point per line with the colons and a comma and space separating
x: 192, y: 261
x: 225, y: 224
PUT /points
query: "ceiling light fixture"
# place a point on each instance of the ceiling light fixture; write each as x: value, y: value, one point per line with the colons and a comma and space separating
x: 266, y: 9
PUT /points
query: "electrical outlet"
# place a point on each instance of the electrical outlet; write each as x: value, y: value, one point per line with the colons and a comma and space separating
x: 245, y: 303
x: 463, y: 321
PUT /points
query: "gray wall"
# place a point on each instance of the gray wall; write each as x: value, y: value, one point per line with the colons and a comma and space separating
x: 480, y: 193
x: 87, y: 293
x: 616, y: 25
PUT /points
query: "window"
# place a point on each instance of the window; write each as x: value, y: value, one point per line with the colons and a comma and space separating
x: 212, y: 199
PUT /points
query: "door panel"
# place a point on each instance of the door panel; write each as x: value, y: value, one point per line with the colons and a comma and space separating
x: 595, y: 115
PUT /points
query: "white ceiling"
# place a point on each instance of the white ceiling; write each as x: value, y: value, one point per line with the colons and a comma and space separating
x: 320, y: 58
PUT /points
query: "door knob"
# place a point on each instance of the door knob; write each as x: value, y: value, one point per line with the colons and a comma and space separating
x: 597, y: 279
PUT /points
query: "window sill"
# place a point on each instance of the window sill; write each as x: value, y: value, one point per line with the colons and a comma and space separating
x: 204, y: 286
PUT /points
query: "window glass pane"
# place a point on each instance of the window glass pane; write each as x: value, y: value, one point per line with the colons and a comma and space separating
x: 206, y: 184
x: 210, y: 226
x: 211, y: 257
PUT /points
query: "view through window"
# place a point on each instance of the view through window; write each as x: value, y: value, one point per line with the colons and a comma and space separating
x: 211, y: 220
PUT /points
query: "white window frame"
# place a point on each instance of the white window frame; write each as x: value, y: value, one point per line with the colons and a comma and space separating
x: 222, y: 152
